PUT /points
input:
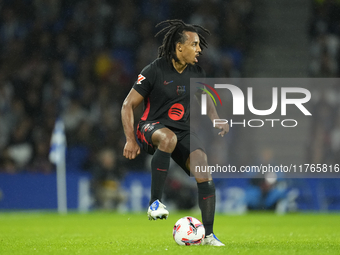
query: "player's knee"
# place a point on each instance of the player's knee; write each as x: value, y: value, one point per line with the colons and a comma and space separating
x: 168, y: 142
x: 198, y: 157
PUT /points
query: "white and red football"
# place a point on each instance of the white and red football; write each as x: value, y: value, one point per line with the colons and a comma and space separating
x: 188, y: 231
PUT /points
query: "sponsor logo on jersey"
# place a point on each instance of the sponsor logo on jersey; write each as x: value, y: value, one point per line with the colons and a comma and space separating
x: 176, y: 112
x: 140, y: 79
x: 180, y: 90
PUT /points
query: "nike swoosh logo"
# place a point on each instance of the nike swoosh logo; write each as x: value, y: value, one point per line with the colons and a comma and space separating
x: 166, y: 83
x: 160, y: 169
x: 204, y: 198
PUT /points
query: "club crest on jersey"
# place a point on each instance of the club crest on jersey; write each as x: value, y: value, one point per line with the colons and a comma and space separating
x: 140, y: 79
x: 180, y: 90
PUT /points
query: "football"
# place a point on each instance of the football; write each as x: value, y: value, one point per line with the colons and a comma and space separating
x: 188, y: 231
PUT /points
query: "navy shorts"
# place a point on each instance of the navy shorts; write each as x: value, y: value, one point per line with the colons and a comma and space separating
x: 183, y: 149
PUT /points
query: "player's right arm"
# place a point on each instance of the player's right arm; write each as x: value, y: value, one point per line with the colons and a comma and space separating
x: 140, y: 90
x: 133, y: 99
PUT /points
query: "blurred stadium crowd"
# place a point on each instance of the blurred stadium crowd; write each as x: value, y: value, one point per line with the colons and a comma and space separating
x: 79, y: 58
x: 324, y: 34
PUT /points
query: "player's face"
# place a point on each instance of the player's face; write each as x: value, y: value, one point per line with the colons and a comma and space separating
x: 191, y: 48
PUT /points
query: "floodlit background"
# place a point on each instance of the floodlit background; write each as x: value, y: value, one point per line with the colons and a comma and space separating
x: 78, y: 60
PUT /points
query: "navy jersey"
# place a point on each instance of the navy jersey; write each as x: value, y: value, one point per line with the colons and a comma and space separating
x: 167, y: 93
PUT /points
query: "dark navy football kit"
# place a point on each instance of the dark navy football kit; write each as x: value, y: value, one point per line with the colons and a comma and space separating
x: 166, y: 95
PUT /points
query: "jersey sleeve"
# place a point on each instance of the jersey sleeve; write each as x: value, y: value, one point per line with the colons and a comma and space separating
x: 144, y: 83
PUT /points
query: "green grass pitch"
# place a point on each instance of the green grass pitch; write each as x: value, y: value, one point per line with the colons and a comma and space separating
x: 112, y: 233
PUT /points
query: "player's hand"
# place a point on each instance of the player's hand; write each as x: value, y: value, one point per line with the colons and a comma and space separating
x: 131, y: 149
x: 224, y: 128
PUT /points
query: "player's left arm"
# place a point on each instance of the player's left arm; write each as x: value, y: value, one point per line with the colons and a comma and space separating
x: 211, y: 110
x: 212, y: 114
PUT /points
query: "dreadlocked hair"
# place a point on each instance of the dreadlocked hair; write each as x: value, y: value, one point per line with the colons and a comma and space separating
x: 174, y: 33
